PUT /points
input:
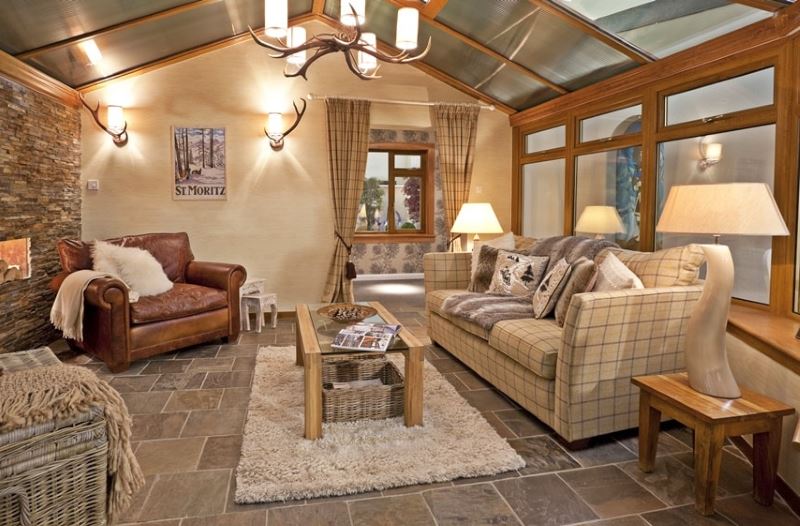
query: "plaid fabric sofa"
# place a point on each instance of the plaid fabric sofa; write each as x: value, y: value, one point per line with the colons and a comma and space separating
x: 576, y: 379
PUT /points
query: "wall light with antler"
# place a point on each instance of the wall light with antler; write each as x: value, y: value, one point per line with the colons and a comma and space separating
x: 274, y: 129
x: 117, y: 125
x: 710, y: 154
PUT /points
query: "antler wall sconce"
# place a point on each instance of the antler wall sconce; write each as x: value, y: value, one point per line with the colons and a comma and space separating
x: 710, y: 154
x: 359, y: 48
x: 117, y: 125
x: 274, y: 130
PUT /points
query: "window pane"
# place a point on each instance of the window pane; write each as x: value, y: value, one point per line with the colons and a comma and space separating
x: 543, y: 199
x: 408, y: 203
x: 746, y: 156
x: 736, y: 94
x: 612, y: 124
x: 613, y: 179
x: 546, y: 139
x: 373, y: 216
x: 408, y: 162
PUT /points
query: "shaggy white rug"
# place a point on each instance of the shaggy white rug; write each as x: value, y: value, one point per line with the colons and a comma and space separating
x: 278, y: 464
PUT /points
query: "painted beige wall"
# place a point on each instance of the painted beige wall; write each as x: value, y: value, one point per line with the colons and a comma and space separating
x: 760, y: 373
x: 277, y: 219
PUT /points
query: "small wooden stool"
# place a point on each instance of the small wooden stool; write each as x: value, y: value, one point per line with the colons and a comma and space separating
x: 259, y: 302
x: 712, y: 419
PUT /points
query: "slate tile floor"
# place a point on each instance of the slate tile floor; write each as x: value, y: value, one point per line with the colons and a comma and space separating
x: 189, y: 410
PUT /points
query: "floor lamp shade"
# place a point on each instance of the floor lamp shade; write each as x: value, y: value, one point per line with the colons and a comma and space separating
x: 717, y: 209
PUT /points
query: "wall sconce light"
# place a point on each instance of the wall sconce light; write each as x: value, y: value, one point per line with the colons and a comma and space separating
x: 117, y: 125
x: 710, y: 154
x: 274, y: 129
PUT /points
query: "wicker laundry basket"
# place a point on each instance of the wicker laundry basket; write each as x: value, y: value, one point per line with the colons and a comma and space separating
x: 362, y: 403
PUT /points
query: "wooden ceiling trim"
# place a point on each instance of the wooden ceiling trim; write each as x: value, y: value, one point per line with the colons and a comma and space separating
x: 488, y: 51
x: 180, y: 57
x: 766, y: 5
x: 318, y: 7
x: 17, y: 71
x: 116, y: 27
x: 761, y: 35
x: 587, y: 26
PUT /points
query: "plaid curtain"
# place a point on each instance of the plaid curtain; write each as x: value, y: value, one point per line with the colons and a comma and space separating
x: 456, y: 130
x: 348, y: 145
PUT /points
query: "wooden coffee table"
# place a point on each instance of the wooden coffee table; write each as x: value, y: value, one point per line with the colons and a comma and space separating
x: 314, y: 336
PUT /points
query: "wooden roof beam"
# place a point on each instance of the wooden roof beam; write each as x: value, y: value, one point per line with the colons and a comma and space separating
x: 766, y: 5
x: 587, y: 26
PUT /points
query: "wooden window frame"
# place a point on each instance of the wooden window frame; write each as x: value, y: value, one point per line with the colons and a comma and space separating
x: 427, y: 212
x: 597, y: 111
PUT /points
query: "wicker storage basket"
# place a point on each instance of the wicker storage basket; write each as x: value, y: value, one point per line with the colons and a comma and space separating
x: 54, y: 474
x: 362, y: 403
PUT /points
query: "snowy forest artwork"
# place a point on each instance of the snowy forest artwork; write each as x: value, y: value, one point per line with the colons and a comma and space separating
x: 199, y: 156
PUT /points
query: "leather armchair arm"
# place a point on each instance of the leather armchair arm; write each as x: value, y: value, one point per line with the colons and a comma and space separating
x: 225, y: 276
x: 107, y: 293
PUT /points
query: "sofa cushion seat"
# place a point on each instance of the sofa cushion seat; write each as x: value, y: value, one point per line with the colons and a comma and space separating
x: 181, y: 301
x: 532, y: 343
x: 435, y: 300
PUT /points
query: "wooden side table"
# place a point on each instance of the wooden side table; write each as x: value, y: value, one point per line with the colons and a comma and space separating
x: 712, y: 419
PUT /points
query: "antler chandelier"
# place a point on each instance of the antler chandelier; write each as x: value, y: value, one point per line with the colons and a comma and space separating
x: 359, y: 48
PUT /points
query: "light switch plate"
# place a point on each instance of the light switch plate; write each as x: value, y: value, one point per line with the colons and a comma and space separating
x: 93, y: 185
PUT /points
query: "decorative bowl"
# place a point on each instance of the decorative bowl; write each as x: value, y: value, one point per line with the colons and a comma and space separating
x: 346, y: 312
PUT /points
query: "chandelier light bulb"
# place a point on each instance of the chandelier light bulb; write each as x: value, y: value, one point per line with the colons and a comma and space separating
x: 367, y: 62
x: 276, y: 18
x: 296, y: 37
x: 346, y: 12
x: 407, y: 28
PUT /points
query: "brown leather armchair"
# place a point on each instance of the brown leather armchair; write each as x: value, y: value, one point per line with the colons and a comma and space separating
x: 203, y: 305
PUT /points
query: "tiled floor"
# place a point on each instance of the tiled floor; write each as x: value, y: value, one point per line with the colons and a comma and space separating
x: 189, y: 410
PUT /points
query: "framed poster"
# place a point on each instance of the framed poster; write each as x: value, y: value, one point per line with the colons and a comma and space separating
x: 199, y: 164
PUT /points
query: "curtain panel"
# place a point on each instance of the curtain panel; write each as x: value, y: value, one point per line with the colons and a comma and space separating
x: 456, y: 131
x: 348, y: 146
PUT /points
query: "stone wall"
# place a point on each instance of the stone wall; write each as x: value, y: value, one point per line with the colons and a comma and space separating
x: 40, y: 198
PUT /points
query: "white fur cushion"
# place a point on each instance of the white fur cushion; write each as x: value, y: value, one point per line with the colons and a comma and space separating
x: 136, y: 267
x: 612, y: 274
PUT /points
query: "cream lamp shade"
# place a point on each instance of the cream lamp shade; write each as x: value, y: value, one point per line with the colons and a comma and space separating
x: 476, y: 218
x: 717, y: 209
x: 722, y: 209
x: 599, y: 220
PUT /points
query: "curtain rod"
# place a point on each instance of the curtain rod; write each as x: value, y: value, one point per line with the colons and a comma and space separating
x: 312, y: 96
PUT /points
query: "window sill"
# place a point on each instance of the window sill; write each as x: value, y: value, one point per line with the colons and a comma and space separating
x: 768, y: 333
x: 394, y: 238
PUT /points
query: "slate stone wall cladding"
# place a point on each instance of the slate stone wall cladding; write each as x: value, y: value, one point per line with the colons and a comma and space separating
x: 40, y: 198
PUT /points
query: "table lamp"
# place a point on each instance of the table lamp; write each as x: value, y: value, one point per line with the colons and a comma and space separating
x: 599, y: 220
x: 476, y: 218
x: 717, y: 209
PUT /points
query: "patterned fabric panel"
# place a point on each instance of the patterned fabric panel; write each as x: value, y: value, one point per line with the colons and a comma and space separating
x: 447, y: 270
x: 434, y: 302
x: 665, y: 268
x: 24, y: 360
x: 608, y: 338
x: 533, y: 343
x: 532, y: 392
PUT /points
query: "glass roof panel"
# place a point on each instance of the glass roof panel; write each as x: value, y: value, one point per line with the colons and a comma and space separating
x: 140, y: 44
x: 28, y: 24
x: 537, y: 39
x: 664, y: 27
x: 515, y: 89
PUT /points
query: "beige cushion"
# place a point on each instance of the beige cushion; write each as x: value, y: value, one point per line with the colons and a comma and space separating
x: 516, y: 274
x: 435, y: 300
x: 530, y: 342
x: 581, y: 279
x: 612, y: 274
x: 546, y: 296
x: 665, y: 268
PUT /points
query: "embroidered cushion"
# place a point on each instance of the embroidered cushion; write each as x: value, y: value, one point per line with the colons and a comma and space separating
x: 546, y: 296
x: 581, y: 279
x: 664, y: 268
x: 517, y: 274
x: 484, y: 270
x: 612, y: 274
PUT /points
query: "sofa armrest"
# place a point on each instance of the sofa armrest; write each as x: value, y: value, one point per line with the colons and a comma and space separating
x: 107, y: 294
x: 608, y: 338
x: 225, y: 276
x: 447, y: 270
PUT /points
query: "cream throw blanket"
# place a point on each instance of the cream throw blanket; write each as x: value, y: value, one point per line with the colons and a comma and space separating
x: 43, y: 394
x: 67, y: 311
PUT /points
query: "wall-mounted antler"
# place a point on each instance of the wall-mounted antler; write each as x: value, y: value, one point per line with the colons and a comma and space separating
x: 276, y: 138
x: 348, y: 41
x: 120, y: 137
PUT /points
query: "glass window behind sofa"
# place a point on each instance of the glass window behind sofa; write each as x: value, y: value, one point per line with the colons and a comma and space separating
x: 394, y: 197
x: 542, y: 189
x: 544, y: 140
x: 744, y: 92
x: 746, y: 156
x: 612, y: 178
x: 624, y: 121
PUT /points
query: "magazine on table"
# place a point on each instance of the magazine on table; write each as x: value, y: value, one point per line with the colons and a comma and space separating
x: 371, y: 337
